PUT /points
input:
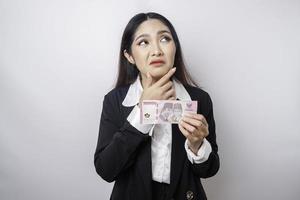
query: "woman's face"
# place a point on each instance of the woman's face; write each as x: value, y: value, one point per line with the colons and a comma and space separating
x: 153, y: 49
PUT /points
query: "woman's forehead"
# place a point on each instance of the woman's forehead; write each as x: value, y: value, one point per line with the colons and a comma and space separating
x: 151, y: 27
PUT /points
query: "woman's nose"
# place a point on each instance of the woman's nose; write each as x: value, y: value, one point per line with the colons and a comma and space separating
x: 156, y: 50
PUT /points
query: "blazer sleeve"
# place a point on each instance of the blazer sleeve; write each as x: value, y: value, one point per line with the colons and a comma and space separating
x: 211, y: 166
x: 117, y: 144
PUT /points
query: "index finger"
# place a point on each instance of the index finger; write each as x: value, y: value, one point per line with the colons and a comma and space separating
x: 198, y: 117
x: 163, y: 80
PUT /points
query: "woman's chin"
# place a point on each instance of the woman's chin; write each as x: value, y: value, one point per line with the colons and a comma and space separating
x: 159, y: 72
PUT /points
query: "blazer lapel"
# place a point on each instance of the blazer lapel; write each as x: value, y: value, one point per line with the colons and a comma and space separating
x: 145, y: 169
x: 144, y: 164
x: 177, y: 157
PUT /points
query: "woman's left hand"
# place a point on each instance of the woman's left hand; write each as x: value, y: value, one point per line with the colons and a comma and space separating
x: 195, y: 128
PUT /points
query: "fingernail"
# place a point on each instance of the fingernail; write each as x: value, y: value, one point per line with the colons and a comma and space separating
x: 174, y: 68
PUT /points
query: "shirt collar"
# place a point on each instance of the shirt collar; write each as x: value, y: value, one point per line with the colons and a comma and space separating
x: 135, y: 91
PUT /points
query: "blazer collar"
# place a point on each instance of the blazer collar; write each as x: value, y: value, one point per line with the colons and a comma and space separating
x: 135, y: 91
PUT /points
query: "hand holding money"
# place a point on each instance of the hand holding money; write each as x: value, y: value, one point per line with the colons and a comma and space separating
x: 195, y: 128
x: 165, y: 111
x: 161, y: 90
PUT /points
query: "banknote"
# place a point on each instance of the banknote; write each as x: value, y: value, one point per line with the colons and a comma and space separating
x: 165, y: 111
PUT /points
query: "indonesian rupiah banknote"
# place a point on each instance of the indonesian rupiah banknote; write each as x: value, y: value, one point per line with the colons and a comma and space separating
x: 165, y: 111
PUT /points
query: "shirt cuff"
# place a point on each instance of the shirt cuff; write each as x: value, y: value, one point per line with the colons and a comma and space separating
x: 202, y: 154
x: 134, y: 119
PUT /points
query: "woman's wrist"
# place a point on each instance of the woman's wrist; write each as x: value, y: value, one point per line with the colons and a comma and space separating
x: 194, y: 147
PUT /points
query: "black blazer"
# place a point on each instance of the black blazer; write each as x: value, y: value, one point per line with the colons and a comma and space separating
x: 123, y: 154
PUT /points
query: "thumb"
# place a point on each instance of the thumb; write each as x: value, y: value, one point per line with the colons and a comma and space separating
x: 149, y: 80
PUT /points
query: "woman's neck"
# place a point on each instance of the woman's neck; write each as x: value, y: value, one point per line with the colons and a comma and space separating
x: 144, y: 79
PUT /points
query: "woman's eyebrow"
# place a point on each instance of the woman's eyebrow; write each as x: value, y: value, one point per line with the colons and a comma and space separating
x: 163, y: 31
x: 143, y: 35
x: 147, y: 35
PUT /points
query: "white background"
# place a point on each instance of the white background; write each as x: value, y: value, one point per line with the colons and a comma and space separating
x: 59, y: 58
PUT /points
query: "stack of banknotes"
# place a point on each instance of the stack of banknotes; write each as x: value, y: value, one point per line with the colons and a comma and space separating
x: 165, y: 111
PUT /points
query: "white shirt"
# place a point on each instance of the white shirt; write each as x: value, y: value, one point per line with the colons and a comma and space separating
x: 161, y: 134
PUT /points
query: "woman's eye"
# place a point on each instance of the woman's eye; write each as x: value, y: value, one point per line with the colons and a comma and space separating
x: 165, y: 38
x: 143, y: 43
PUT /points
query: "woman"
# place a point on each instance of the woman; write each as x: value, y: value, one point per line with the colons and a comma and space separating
x: 162, y: 161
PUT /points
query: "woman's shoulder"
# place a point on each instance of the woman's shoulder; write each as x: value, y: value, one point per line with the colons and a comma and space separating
x: 197, y: 92
x: 117, y: 93
x: 202, y: 97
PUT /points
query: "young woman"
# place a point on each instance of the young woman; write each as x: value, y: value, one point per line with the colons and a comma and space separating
x: 162, y: 161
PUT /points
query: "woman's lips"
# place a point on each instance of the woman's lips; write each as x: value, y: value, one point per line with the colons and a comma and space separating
x: 157, y: 63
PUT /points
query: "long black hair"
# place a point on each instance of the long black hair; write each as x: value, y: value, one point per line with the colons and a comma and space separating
x: 128, y: 72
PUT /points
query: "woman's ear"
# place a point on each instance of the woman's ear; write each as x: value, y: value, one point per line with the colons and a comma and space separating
x: 129, y: 57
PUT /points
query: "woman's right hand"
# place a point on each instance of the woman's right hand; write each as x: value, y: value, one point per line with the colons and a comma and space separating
x: 161, y: 90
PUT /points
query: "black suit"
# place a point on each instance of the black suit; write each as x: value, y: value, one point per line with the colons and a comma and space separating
x: 123, y: 154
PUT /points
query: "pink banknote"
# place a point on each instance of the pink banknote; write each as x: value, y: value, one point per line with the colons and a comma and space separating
x: 164, y: 111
